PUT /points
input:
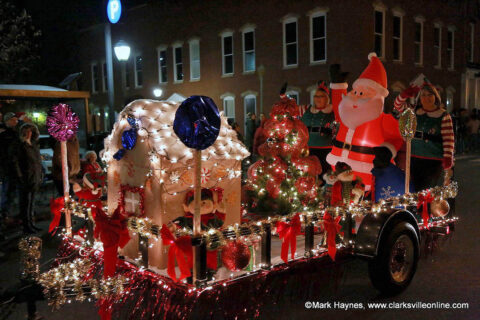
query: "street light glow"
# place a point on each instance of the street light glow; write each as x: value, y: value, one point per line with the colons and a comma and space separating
x: 157, y: 92
x: 122, y: 50
x: 36, y: 115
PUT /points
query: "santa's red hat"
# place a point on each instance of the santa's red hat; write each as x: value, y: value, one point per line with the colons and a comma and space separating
x: 374, y: 76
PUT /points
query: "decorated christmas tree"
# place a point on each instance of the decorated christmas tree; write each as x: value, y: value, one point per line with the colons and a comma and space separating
x: 284, y: 179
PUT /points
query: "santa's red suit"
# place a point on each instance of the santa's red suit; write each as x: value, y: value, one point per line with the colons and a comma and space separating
x: 354, y: 142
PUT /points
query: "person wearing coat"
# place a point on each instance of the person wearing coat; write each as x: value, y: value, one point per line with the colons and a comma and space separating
x: 27, y: 165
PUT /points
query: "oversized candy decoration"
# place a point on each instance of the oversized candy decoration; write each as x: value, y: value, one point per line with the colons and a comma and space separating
x: 197, y: 122
x: 62, y: 122
x: 439, y: 208
x: 129, y: 138
x: 235, y: 256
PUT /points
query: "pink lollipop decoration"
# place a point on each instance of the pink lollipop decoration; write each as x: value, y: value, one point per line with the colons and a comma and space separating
x: 62, y: 122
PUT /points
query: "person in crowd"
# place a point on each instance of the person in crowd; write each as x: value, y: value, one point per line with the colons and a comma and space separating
x: 73, y: 160
x: 433, y: 144
x: 236, y: 127
x: 8, y: 138
x: 27, y: 165
x: 250, y: 128
x: 473, y: 126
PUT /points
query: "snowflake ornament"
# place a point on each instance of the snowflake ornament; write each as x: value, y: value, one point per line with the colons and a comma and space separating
x: 174, y: 177
x: 387, y: 192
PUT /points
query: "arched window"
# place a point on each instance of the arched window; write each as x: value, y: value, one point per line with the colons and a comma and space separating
x: 229, y: 106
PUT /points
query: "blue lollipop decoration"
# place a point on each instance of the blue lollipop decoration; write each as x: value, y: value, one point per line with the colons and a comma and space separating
x: 129, y: 139
x: 197, y: 122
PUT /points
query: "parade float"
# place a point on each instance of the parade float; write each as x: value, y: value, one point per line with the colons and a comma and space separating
x: 174, y: 239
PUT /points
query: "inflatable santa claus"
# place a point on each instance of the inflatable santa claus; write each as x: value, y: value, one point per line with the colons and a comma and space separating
x: 366, y: 132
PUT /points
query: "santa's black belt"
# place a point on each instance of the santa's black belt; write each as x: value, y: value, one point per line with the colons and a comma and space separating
x: 428, y: 137
x: 354, y: 148
x: 323, y: 130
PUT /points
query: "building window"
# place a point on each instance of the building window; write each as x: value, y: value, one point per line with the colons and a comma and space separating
x: 95, y: 77
x: 293, y: 94
x: 104, y: 77
x: 437, y: 45
x: 248, y: 50
x: 194, y: 45
x: 177, y: 63
x: 229, y: 108
x: 450, y: 48
x: 449, y: 102
x: 138, y: 66
x: 127, y: 75
x: 162, y: 64
x: 290, y: 42
x: 397, y: 37
x: 379, y: 32
x: 227, y: 53
x: 471, y: 42
x: 318, y: 37
x: 418, y: 42
x: 250, y: 107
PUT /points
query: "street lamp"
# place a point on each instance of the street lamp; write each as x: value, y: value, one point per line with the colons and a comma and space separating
x: 157, y: 92
x: 122, y: 50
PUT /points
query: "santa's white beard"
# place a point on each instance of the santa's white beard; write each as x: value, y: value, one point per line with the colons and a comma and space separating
x: 355, y: 113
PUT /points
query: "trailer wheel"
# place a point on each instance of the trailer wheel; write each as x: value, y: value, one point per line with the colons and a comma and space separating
x: 392, y: 270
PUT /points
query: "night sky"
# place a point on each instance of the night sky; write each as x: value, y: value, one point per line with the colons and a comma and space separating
x: 59, y: 21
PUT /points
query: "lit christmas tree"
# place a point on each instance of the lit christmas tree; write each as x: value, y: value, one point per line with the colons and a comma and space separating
x: 284, y: 180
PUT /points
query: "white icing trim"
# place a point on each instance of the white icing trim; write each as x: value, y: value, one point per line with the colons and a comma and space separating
x: 370, y: 83
x: 342, y: 85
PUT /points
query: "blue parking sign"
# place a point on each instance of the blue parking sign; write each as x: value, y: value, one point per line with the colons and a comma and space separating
x: 114, y: 10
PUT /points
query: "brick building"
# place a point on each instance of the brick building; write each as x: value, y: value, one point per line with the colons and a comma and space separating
x: 240, y: 52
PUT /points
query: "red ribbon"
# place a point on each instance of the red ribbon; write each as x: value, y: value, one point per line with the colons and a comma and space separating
x: 113, y: 232
x: 180, y: 250
x: 56, y: 206
x: 424, y: 200
x: 288, y: 233
x: 332, y: 227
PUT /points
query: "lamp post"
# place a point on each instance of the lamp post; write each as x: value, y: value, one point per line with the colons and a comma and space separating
x: 114, y: 12
x: 261, y: 73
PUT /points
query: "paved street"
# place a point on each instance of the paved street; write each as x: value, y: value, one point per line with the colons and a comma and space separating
x: 450, y: 275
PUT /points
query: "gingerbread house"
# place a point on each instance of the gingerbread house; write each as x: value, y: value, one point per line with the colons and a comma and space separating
x: 152, y: 178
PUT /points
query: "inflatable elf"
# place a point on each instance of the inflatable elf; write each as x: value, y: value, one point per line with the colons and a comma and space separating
x: 433, y: 144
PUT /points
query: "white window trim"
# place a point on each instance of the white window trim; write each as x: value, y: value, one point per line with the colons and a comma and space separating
x: 317, y: 12
x: 383, y: 10
x: 472, y: 42
x: 399, y: 13
x: 191, y: 42
x: 228, y: 96
x: 421, y: 20
x: 176, y: 45
x: 92, y: 64
x: 159, y: 67
x: 135, y: 70
x: 451, y: 63
x: 248, y: 95
x: 245, y: 29
x: 438, y: 25
x: 286, y: 20
x: 224, y: 34
x: 104, y: 76
x: 293, y: 91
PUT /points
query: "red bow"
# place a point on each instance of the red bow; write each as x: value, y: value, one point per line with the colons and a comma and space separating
x: 56, y: 206
x: 181, y: 250
x: 332, y: 227
x: 424, y: 200
x: 113, y: 232
x: 288, y: 233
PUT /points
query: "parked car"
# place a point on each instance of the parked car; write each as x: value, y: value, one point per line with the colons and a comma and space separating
x: 46, y: 144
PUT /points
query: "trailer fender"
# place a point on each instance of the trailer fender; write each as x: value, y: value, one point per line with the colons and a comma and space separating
x: 375, y: 226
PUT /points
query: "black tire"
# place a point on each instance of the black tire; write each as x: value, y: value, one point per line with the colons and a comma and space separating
x: 392, y: 270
